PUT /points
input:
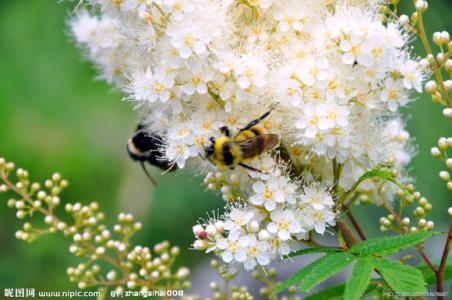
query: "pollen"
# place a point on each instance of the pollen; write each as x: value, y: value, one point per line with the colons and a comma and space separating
x: 377, y: 52
x: 179, y: 149
x: 158, y: 87
x: 283, y: 225
x: 233, y: 246
x: 268, y: 194
x: 314, y: 120
x: 189, y: 40
x: 253, y: 251
x: 267, y: 124
x: 196, y: 80
x: 355, y: 50
x: 393, y: 95
x: 249, y: 73
x: 332, y: 84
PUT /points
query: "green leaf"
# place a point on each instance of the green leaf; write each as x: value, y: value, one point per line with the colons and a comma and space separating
x: 359, y: 279
x: 389, y: 245
x: 401, y: 278
x: 299, y: 275
x: 330, y: 265
x: 428, y: 274
x: 314, y: 250
x: 379, y: 172
x: 331, y: 293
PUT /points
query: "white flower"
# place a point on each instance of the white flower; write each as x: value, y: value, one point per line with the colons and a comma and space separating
x: 189, y: 40
x: 234, y: 247
x: 353, y: 51
x: 250, y: 70
x: 394, y: 94
x: 313, y: 69
x: 318, y: 219
x: 290, y: 16
x: 412, y: 76
x: 318, y: 199
x: 151, y: 86
x: 283, y: 224
x: 269, y: 193
x: 238, y: 218
x: 257, y: 253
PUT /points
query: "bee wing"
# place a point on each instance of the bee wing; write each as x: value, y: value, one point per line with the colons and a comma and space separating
x: 258, y: 144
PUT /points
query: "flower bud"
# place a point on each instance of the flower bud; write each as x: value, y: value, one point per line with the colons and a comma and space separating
x: 444, y: 175
x: 403, y: 20
x: 437, y: 38
x: 442, y: 143
x: 431, y: 86
x: 200, y: 245
x: 447, y: 112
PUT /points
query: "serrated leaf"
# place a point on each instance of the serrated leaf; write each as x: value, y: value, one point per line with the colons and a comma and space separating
x: 389, y: 245
x: 330, y: 265
x: 314, y: 250
x: 428, y: 274
x: 331, y: 293
x: 299, y: 275
x: 401, y: 278
x: 377, y: 172
x: 359, y: 279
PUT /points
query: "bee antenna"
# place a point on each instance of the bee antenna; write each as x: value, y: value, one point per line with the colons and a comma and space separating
x: 147, y: 173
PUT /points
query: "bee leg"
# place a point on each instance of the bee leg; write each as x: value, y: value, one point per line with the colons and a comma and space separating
x: 249, y: 168
x: 147, y: 173
x: 255, y: 122
x: 225, y: 130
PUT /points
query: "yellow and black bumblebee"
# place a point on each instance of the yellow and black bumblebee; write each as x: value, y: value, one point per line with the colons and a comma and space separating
x: 251, y: 141
x: 146, y: 147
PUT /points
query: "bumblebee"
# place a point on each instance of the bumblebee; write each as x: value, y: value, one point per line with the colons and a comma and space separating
x: 145, y: 147
x: 230, y: 151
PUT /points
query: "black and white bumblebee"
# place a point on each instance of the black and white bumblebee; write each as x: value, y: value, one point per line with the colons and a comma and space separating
x: 144, y: 147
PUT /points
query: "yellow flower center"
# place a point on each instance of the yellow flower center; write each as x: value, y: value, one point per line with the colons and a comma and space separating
x: 233, y: 246
x: 189, y: 40
x: 393, y: 95
x: 249, y: 73
x: 253, y: 251
x: 158, y: 87
x: 355, y: 50
x: 314, y: 120
x: 196, y: 80
x: 283, y: 225
x: 377, y: 52
x: 317, y: 216
x: 267, y: 124
x: 179, y: 149
x: 268, y: 194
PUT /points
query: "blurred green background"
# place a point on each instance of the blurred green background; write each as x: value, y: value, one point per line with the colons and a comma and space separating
x: 54, y: 116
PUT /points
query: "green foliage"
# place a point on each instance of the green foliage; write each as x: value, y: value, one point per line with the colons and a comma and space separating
x: 359, y: 279
x: 389, y: 245
x: 332, y: 293
x: 401, y: 278
x: 317, y: 271
x: 367, y: 255
x: 330, y: 265
x: 314, y: 250
x: 378, y: 172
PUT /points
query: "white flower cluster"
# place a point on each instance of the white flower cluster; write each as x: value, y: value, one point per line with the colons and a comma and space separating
x: 332, y: 72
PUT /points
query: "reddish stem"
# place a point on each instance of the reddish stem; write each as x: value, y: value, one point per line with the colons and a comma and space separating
x: 356, y: 225
x: 440, y: 271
